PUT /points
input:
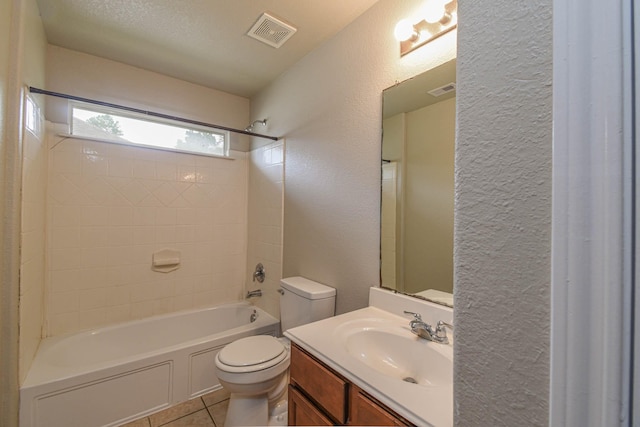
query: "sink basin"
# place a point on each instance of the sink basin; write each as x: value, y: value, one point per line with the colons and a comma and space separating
x: 375, y: 349
x: 400, y: 355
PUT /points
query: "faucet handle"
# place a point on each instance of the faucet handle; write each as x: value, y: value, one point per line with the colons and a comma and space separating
x: 441, y: 332
x: 417, y: 316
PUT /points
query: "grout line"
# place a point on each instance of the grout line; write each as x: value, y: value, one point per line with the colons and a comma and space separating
x: 211, y: 416
x: 204, y: 404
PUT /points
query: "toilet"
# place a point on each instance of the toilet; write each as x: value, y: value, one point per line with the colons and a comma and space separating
x: 255, y: 370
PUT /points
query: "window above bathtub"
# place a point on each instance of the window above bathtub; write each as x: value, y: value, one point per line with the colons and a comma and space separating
x: 130, y: 128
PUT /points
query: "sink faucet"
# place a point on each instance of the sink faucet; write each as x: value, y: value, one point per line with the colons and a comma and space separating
x: 426, y: 331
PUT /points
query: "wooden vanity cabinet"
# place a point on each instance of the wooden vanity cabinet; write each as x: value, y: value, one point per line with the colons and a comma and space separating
x: 304, y: 413
x: 320, y: 396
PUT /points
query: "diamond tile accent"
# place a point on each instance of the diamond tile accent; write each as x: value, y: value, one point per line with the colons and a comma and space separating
x: 166, y: 193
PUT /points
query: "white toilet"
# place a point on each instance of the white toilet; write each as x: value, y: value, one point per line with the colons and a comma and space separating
x: 255, y: 369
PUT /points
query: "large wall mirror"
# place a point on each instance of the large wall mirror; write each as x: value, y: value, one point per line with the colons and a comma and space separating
x: 419, y: 117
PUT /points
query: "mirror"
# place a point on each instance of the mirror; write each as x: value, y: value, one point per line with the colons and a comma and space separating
x: 416, y: 248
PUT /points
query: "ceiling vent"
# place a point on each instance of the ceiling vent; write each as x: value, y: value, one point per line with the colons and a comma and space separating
x: 271, y: 30
x: 439, y: 91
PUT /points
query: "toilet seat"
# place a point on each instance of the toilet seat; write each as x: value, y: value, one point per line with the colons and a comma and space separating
x: 251, y: 354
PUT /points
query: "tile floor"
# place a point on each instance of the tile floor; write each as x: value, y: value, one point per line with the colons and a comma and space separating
x: 208, y: 410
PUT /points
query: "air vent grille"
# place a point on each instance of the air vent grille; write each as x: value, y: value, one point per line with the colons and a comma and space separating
x: 439, y: 91
x: 271, y: 30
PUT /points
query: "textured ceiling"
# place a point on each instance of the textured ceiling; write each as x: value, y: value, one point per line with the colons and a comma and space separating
x: 201, y: 41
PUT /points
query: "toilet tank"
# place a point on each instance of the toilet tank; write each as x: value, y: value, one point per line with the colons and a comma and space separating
x: 304, y: 301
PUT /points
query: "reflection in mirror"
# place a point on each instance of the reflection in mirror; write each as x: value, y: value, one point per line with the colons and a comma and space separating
x: 417, y: 185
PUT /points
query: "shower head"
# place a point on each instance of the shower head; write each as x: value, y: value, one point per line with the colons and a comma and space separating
x: 249, y: 128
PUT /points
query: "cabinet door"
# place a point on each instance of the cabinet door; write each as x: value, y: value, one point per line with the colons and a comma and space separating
x: 366, y: 412
x: 304, y: 413
x: 328, y: 390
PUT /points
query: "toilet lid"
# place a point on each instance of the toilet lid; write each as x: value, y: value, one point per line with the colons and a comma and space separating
x: 251, y: 351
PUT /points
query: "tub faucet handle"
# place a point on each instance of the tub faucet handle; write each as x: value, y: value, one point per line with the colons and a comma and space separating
x: 259, y: 273
x: 441, y: 331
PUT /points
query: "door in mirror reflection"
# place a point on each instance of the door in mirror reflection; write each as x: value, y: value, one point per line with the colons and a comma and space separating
x: 418, y: 185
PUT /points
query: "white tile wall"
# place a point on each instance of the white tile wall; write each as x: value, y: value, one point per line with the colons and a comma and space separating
x: 266, y: 180
x: 111, y: 206
x: 32, y: 259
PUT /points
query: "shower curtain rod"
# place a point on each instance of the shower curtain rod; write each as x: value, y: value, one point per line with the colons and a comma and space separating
x: 148, y: 113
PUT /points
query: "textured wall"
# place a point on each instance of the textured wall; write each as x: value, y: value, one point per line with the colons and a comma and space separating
x: 503, y: 213
x: 328, y: 106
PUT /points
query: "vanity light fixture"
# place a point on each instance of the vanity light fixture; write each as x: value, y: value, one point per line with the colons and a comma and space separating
x: 436, y: 18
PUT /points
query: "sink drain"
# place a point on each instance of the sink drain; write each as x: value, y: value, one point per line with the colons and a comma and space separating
x: 410, y: 380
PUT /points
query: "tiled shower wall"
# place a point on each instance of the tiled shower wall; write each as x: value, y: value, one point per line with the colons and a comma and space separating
x: 266, y: 175
x: 111, y: 206
x: 32, y: 245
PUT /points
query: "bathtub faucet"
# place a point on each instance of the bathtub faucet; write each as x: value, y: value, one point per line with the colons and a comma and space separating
x: 256, y: 293
x: 259, y: 273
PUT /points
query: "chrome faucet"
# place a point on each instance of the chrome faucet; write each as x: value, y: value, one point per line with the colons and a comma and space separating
x: 426, y: 331
x: 259, y: 273
x: 256, y: 293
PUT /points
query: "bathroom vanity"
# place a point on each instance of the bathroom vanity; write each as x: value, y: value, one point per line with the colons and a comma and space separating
x: 365, y: 367
x: 320, y: 396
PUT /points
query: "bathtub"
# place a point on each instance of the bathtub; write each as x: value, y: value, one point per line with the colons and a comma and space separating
x: 111, y: 375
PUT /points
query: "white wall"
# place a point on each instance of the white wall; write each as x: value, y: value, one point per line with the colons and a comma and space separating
x: 503, y: 213
x: 428, y: 198
x: 88, y: 76
x: 328, y: 106
x: 266, y: 180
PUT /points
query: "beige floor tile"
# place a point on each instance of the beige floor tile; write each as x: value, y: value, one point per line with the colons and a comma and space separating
x: 199, y: 419
x: 219, y: 412
x: 215, y: 397
x: 142, y: 422
x: 175, y: 412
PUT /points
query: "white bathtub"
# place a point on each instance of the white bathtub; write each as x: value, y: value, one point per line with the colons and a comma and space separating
x: 112, y: 375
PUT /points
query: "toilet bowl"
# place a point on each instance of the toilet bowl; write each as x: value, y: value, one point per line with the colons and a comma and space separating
x: 255, y: 370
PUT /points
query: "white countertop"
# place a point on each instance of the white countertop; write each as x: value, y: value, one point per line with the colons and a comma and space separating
x: 424, y: 405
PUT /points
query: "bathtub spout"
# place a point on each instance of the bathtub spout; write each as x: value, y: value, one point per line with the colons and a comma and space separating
x: 256, y: 293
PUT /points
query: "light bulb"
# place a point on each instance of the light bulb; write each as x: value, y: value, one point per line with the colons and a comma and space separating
x: 404, y: 30
x: 434, y: 10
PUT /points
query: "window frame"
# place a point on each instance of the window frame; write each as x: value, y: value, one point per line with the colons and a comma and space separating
x: 100, y: 109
